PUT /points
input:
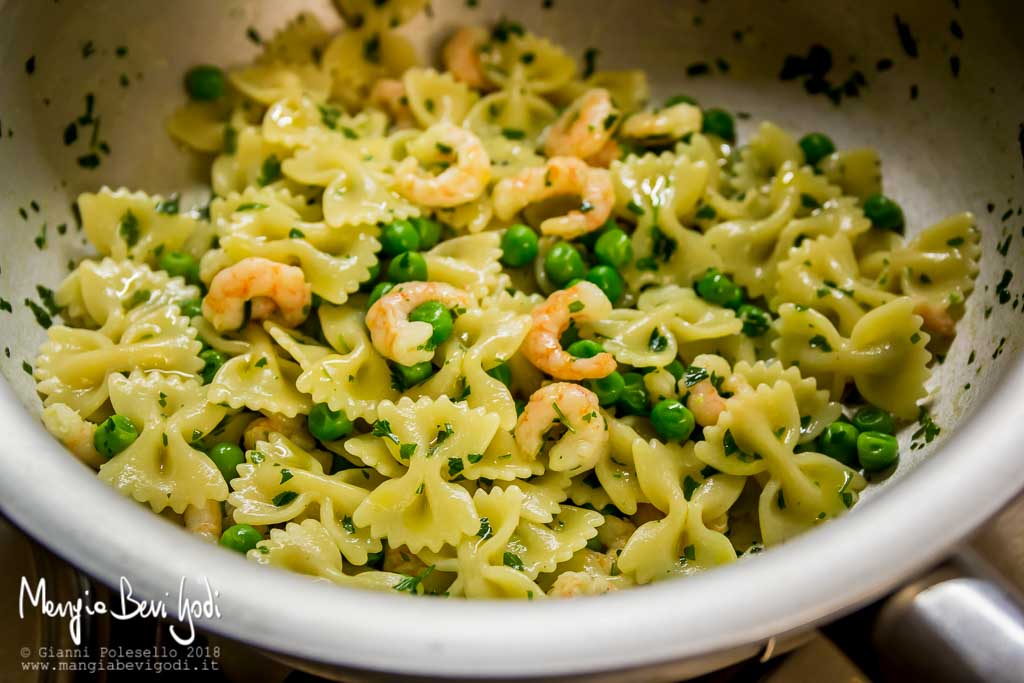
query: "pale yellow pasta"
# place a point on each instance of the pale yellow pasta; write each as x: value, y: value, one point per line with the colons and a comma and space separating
x: 384, y: 311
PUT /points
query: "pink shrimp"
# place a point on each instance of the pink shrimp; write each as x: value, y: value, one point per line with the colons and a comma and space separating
x: 275, y: 289
x: 560, y: 176
x: 936, y: 318
x: 464, y: 179
x: 585, y: 127
x: 461, y: 56
x: 391, y: 331
x: 582, y: 302
x: 579, y: 411
x: 389, y: 95
x: 705, y: 403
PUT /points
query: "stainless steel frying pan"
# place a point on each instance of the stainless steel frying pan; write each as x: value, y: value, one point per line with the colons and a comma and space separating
x: 941, y: 98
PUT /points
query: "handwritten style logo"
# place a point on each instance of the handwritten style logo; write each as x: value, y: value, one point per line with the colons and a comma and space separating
x: 187, y: 611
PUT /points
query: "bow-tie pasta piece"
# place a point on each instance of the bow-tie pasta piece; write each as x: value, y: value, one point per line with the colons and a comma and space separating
x: 302, y: 122
x: 161, y: 467
x: 470, y: 262
x: 422, y: 509
x: 936, y: 268
x: 615, y: 469
x: 628, y: 89
x: 655, y: 190
x: 274, y: 81
x: 490, y: 336
x: 248, y: 159
x: 301, y: 41
x: 816, y: 409
x: 109, y: 295
x: 308, y: 549
x: 434, y: 97
x: 133, y: 225
x: 73, y: 364
x: 823, y: 274
x: 749, y: 246
x: 280, y: 482
x: 885, y: 355
x: 514, y: 114
x: 515, y: 58
x: 260, y: 379
x: 350, y: 376
x: 203, y: 126
x: 856, y: 171
x: 332, y: 277
x: 758, y: 433
x: 680, y: 542
x: 763, y: 157
x: 356, y: 59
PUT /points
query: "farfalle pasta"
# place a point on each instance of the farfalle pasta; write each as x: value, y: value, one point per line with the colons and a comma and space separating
x: 366, y: 361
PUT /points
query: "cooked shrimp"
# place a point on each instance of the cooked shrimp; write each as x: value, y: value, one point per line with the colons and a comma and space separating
x: 936, y: 318
x: 606, y: 155
x: 294, y: 428
x: 583, y: 302
x: 574, y: 584
x: 389, y: 94
x: 670, y: 123
x: 463, y: 180
x: 275, y: 289
x: 204, y: 521
x: 705, y: 403
x: 560, y: 176
x: 585, y: 127
x: 461, y: 56
x: 391, y: 331
x: 577, y: 409
x: 74, y: 432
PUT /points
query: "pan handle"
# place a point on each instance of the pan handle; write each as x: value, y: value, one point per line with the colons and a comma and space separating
x: 960, y: 622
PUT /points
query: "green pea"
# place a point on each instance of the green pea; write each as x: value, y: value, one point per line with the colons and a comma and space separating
x: 633, y: 400
x: 227, y: 456
x: 755, y: 320
x: 429, y: 231
x: 680, y: 99
x: 191, y: 307
x: 204, y: 83
x: 877, y: 451
x: 409, y: 267
x: 839, y: 441
x: 719, y: 122
x: 113, y: 435
x: 328, y: 425
x: 608, y: 389
x: 411, y: 375
x: 379, y: 290
x: 884, y: 213
x: 398, y: 237
x: 518, y: 246
x: 872, y: 419
x: 563, y: 263
x: 816, y: 146
x: 212, y: 360
x: 585, y: 348
x: 180, y: 264
x: 672, y: 420
x: 370, y: 282
x: 609, y: 280
x: 502, y: 372
x: 718, y: 288
x: 676, y: 369
x: 614, y: 248
x: 241, y: 538
x: 438, y: 316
